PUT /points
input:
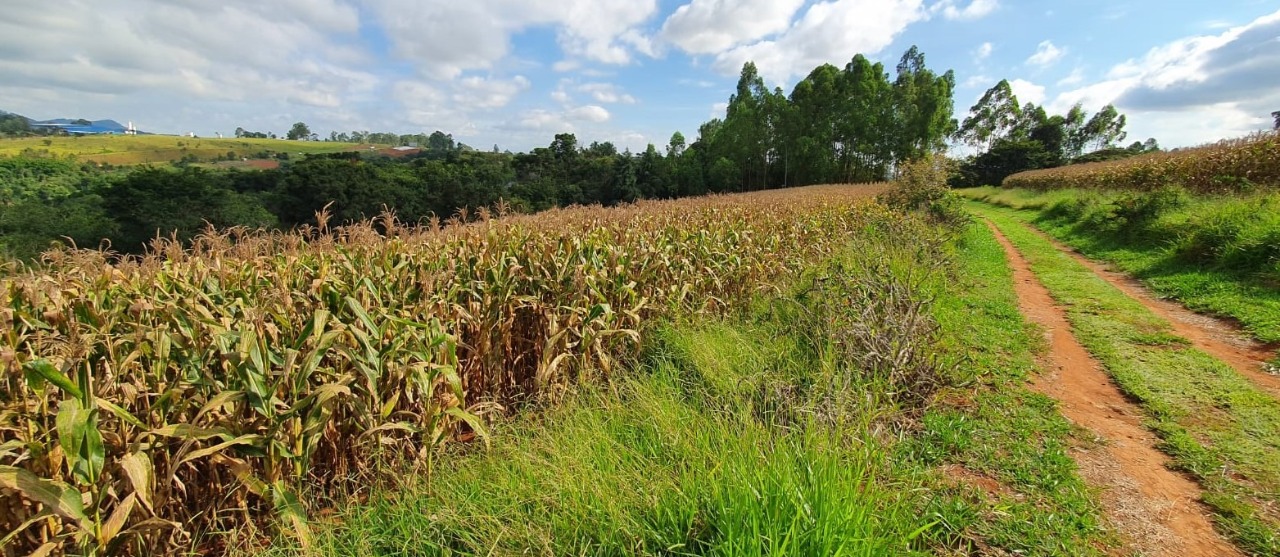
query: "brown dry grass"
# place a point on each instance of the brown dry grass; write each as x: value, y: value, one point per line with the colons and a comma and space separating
x: 1228, y: 166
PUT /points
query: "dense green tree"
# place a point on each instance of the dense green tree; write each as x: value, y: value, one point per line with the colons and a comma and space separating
x: 855, y: 123
x: 298, y: 131
x: 151, y: 202
x: 676, y: 146
x: 1017, y: 138
x: 745, y: 139
x: 440, y: 142
x: 653, y: 175
x: 29, y: 227
x: 923, y: 108
x: 813, y: 128
x: 993, y: 118
x: 1105, y: 129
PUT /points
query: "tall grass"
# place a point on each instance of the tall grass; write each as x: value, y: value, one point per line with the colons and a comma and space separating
x: 760, y: 434
x: 148, y: 400
x: 1241, y: 165
x: 1218, y: 254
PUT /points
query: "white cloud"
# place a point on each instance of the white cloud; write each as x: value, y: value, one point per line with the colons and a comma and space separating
x: 1027, y: 92
x: 445, y: 38
x: 828, y: 32
x: 1196, y: 89
x: 425, y: 105
x: 718, y: 110
x: 569, y: 120
x: 1076, y: 77
x: 1046, y: 55
x: 151, y: 62
x: 978, y: 80
x: 604, y: 93
x: 607, y: 93
x: 478, y: 92
x: 589, y: 113
x: 983, y: 51
x: 975, y: 10
x: 566, y: 66
x: 700, y: 83
x: 713, y: 26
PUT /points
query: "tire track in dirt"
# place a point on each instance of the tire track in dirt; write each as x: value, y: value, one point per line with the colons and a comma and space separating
x: 1156, y: 510
x: 1219, y: 338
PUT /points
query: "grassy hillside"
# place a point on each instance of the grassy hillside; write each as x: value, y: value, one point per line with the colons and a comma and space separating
x: 1214, y: 253
x: 142, y: 149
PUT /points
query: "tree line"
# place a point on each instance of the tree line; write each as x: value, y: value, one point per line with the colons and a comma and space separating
x: 850, y: 124
x: 853, y: 124
x: 1011, y: 138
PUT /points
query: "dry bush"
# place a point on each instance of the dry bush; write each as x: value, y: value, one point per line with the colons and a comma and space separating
x: 875, y: 306
x: 198, y: 389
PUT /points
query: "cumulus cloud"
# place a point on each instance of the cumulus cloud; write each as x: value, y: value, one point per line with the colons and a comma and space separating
x: 828, y: 32
x: 983, y: 51
x: 1027, y: 92
x: 589, y: 113
x: 600, y: 92
x: 712, y: 26
x: 978, y: 80
x: 148, y: 61
x: 1195, y: 89
x: 975, y: 10
x: 545, y: 121
x: 479, y: 92
x: 181, y: 46
x: 444, y: 38
x: 1046, y: 54
x: 607, y: 93
x: 1076, y: 77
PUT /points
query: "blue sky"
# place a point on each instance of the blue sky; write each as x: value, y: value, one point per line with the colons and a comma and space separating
x: 516, y: 72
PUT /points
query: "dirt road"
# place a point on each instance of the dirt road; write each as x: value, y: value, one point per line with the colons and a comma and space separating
x: 1158, y: 511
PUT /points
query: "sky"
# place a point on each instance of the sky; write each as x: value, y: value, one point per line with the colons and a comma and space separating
x: 514, y: 73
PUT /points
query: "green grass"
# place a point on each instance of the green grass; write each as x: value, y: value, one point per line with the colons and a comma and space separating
x: 675, y: 462
x: 744, y: 436
x: 1217, y: 255
x: 1214, y: 423
x: 992, y: 424
x: 144, y: 149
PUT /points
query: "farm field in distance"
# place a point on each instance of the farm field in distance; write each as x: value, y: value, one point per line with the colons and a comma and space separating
x: 125, y: 150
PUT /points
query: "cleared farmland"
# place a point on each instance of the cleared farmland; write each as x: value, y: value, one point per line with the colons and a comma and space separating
x: 122, y: 150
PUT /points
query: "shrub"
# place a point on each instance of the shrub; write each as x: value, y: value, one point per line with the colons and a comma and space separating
x: 922, y: 186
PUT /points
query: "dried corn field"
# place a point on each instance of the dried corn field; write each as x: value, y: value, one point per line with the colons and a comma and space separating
x: 148, y: 401
x: 1229, y: 166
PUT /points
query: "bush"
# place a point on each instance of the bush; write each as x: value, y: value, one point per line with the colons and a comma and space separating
x: 1244, y: 235
x: 922, y: 186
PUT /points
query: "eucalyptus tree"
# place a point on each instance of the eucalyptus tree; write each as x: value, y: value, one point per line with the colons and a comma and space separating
x: 993, y: 118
